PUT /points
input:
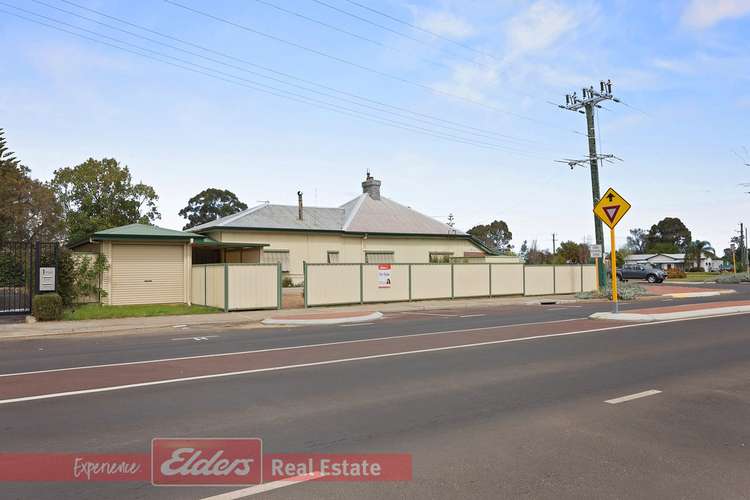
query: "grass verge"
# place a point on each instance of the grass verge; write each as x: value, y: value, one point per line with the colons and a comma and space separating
x: 97, y: 311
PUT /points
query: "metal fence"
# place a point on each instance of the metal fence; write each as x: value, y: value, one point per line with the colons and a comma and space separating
x: 336, y: 284
x: 235, y: 287
x: 24, y: 271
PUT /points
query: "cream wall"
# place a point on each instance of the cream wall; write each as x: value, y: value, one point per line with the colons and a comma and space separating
x: 314, y: 247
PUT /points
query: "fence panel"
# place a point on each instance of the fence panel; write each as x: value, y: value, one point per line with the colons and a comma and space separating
x: 507, y: 279
x: 590, y: 281
x: 253, y: 286
x: 471, y: 280
x: 431, y: 281
x: 539, y: 280
x: 375, y: 289
x: 215, y: 285
x: 567, y: 279
x: 328, y: 284
x: 198, y: 285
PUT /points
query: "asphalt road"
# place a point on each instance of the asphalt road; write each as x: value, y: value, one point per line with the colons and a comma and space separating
x: 491, y: 407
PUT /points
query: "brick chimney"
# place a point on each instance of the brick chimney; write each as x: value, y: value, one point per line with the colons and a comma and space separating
x: 299, y: 203
x: 371, y: 186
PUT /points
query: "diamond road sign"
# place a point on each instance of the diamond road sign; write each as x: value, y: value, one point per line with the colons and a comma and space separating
x: 611, y: 208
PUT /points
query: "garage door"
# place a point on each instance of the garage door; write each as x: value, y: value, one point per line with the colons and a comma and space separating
x: 147, y: 274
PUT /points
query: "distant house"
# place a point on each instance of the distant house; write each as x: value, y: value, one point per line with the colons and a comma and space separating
x: 674, y: 261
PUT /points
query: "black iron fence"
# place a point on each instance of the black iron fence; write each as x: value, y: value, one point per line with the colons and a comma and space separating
x: 26, y: 268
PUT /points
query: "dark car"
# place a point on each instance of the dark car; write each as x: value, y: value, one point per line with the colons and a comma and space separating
x: 641, y: 272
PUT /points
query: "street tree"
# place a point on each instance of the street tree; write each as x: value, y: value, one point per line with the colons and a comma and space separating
x: 570, y: 252
x: 29, y: 208
x: 495, y: 236
x: 669, y: 235
x: 99, y: 194
x: 638, y: 240
x: 209, y: 205
x: 696, y: 250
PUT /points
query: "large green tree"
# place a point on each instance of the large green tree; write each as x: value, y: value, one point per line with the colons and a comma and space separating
x: 494, y: 235
x: 570, y: 252
x: 638, y: 240
x: 99, y: 194
x: 29, y: 208
x: 210, y: 204
x: 696, y: 250
x: 669, y: 235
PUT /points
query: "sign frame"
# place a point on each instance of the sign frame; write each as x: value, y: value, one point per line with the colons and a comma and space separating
x: 611, y: 208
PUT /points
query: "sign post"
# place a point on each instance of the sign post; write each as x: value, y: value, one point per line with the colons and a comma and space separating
x: 611, y: 208
x: 596, y: 252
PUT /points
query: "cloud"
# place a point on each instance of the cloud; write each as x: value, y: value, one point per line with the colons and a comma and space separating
x: 541, y: 25
x: 445, y: 24
x: 701, y: 14
x: 469, y: 81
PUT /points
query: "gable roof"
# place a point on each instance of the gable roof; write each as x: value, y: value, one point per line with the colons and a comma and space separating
x: 137, y: 232
x: 363, y: 214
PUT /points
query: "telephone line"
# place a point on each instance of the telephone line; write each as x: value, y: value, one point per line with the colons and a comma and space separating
x: 212, y: 73
x: 489, y: 134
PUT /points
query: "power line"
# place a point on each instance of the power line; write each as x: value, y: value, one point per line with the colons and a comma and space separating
x: 419, y: 28
x: 429, y: 119
x: 355, y: 64
x: 226, y: 77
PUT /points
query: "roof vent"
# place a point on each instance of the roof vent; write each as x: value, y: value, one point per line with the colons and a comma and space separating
x: 371, y: 186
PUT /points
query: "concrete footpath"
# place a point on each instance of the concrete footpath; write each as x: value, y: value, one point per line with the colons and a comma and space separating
x: 255, y: 318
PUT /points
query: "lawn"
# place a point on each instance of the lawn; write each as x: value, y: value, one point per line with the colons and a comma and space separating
x: 697, y: 277
x: 97, y: 311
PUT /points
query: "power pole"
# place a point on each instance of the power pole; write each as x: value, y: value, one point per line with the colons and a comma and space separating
x: 586, y: 105
x: 553, y: 243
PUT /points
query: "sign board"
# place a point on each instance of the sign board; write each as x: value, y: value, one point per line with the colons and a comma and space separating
x: 384, y: 275
x: 595, y: 251
x: 46, y: 279
x: 611, y: 208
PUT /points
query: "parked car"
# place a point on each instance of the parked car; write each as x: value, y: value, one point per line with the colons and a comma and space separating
x: 641, y: 272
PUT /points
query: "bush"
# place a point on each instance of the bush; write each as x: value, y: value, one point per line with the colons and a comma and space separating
x: 732, y: 279
x: 12, y: 270
x: 66, y: 276
x: 696, y: 270
x: 675, y: 273
x: 287, y: 282
x: 625, y: 291
x: 47, y: 307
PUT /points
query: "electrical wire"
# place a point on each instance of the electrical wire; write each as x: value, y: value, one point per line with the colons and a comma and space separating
x: 212, y: 73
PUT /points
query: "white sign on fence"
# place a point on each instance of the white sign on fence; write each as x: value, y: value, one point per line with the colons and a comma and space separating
x: 595, y: 251
x: 384, y: 275
x: 46, y: 279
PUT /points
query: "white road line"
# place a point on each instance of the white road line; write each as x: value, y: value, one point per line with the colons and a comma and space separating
x: 631, y: 397
x: 262, y: 488
x: 333, y: 362
x: 179, y: 326
x: 355, y: 324
x: 557, y: 309
x: 435, y: 314
x: 272, y: 349
x: 472, y: 315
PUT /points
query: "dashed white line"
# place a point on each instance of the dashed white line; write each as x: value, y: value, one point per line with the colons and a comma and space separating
x: 472, y: 315
x: 262, y: 488
x: 631, y: 397
x: 435, y: 314
x: 355, y: 324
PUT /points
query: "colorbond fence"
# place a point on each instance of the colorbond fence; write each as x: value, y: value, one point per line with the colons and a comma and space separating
x: 333, y: 284
x: 235, y: 287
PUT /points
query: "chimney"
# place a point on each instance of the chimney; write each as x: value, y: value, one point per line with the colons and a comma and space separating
x: 371, y: 186
x: 299, y: 203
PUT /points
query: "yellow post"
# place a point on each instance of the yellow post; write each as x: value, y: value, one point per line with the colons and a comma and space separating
x: 734, y: 263
x: 613, y: 259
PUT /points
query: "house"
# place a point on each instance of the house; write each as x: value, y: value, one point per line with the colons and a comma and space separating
x: 666, y: 261
x: 150, y: 264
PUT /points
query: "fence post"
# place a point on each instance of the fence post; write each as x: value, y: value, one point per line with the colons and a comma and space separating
x: 554, y: 280
x: 489, y: 267
x: 278, y: 284
x: 226, y: 287
x: 409, y: 282
x: 523, y: 268
x: 361, y: 284
x: 581, y: 278
x: 452, y: 287
x: 304, y: 282
x: 205, y: 285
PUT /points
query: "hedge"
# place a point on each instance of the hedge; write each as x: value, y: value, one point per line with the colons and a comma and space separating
x: 47, y: 307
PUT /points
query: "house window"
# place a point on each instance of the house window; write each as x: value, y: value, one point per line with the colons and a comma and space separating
x: 378, y: 257
x: 333, y: 257
x: 440, y: 257
x: 276, y: 257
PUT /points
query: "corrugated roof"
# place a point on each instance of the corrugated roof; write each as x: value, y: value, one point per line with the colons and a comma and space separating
x: 363, y: 214
x: 143, y: 231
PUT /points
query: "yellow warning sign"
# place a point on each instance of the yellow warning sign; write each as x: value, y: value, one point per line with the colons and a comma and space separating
x: 611, y: 208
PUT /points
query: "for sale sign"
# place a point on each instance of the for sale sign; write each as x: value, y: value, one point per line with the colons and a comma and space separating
x: 384, y: 275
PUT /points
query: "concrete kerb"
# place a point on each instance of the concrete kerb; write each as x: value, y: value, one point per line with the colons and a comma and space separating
x: 353, y: 318
x: 696, y: 313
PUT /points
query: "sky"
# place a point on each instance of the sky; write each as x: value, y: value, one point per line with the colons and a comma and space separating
x: 452, y: 104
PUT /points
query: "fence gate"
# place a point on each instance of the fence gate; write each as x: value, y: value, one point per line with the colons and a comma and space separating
x: 26, y: 268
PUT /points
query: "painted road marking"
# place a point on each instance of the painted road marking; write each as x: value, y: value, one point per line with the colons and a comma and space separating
x: 472, y: 315
x: 272, y: 349
x: 355, y: 324
x: 179, y: 326
x: 197, y: 339
x: 631, y: 397
x: 262, y: 488
x: 344, y: 360
x: 435, y: 314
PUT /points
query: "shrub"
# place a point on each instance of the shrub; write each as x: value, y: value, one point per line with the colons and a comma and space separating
x: 66, y: 275
x: 12, y: 270
x: 696, y: 270
x: 675, y: 273
x: 625, y: 291
x: 287, y: 282
x: 47, y: 307
x: 730, y: 279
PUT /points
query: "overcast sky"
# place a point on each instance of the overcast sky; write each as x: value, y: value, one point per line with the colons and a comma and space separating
x: 475, y: 132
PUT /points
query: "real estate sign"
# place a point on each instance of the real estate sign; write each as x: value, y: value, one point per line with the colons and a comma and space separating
x: 384, y: 275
